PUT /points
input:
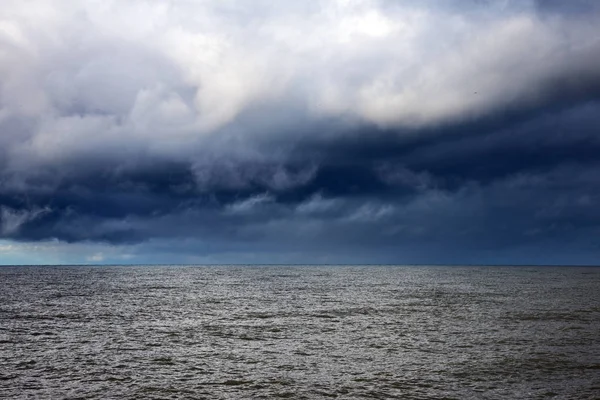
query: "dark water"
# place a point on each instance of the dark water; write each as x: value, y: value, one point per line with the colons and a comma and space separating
x: 299, y: 332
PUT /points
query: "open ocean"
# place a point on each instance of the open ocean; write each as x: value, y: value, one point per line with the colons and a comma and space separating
x: 299, y: 332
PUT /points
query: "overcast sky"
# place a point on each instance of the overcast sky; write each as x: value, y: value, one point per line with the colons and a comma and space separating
x: 331, y: 131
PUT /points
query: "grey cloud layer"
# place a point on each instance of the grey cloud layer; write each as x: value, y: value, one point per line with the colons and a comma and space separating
x: 293, y: 125
x: 104, y: 74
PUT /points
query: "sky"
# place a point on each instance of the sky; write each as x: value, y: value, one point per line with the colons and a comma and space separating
x: 322, y: 131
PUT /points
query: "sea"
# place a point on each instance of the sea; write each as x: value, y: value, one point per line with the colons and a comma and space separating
x: 299, y: 332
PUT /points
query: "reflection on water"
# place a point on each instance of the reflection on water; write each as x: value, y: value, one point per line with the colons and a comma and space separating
x: 299, y: 332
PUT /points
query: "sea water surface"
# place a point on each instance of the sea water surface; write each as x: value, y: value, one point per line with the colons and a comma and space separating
x: 299, y: 332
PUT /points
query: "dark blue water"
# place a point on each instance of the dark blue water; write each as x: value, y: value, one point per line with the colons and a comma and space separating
x: 299, y: 332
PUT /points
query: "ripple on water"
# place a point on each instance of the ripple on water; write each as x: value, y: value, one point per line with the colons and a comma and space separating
x: 299, y: 332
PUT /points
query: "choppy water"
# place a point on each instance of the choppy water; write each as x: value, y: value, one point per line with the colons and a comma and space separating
x: 299, y: 332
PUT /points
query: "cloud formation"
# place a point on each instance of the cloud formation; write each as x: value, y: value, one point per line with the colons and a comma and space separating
x: 389, y: 130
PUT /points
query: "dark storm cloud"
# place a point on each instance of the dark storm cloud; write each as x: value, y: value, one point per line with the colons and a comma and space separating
x: 388, y: 129
x: 453, y: 191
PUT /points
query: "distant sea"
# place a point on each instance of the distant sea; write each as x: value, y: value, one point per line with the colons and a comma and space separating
x: 299, y: 332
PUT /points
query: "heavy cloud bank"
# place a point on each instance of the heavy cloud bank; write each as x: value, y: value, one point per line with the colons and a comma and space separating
x: 327, y: 131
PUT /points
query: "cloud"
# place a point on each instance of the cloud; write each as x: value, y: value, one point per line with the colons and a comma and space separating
x: 250, y: 204
x: 98, y: 257
x: 190, y: 69
x: 384, y: 127
x: 12, y: 220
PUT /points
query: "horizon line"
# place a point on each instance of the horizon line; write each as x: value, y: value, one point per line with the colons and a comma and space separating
x: 298, y: 265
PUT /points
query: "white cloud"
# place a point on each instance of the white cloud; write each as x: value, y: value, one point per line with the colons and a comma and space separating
x: 371, y: 212
x: 317, y: 204
x: 250, y: 204
x: 151, y: 77
x: 97, y: 257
